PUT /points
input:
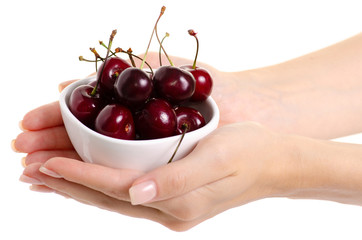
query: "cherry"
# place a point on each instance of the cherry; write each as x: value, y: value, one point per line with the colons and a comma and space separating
x: 116, y: 121
x: 113, y: 67
x: 188, y: 119
x: 85, y: 101
x: 204, y: 82
x: 174, y: 84
x: 84, y: 105
x: 156, y: 120
x: 133, y: 87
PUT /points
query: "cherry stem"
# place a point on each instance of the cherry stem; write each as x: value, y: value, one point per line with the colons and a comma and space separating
x: 185, y: 127
x: 94, y: 91
x: 153, y: 31
x: 96, y: 62
x: 81, y: 58
x: 164, y: 51
x: 193, y: 33
x: 93, y: 50
x: 129, y: 52
x: 117, y: 50
x: 159, y: 51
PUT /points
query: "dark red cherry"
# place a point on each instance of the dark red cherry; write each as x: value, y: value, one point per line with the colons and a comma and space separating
x: 115, y: 121
x: 113, y: 68
x: 156, y: 120
x: 188, y: 118
x: 174, y: 84
x: 133, y: 87
x: 84, y: 106
x: 204, y: 83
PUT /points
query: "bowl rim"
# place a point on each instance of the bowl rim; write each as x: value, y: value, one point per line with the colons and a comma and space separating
x: 214, y: 120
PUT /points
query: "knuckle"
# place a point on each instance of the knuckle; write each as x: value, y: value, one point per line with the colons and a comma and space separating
x: 117, y: 188
x: 176, y: 184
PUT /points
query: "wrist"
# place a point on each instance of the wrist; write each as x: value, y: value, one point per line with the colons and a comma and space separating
x: 324, y: 170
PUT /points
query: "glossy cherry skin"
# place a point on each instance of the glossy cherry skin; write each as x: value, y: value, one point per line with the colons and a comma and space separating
x: 204, y: 83
x: 113, y: 68
x: 84, y: 106
x: 133, y: 87
x: 188, y: 118
x: 156, y: 120
x: 174, y: 84
x: 116, y: 121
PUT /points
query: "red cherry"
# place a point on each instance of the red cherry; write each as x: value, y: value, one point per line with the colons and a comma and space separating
x: 84, y: 106
x: 188, y: 119
x: 202, y: 76
x: 204, y: 83
x: 113, y: 68
x: 133, y: 87
x: 174, y: 84
x: 115, y: 121
x: 156, y: 120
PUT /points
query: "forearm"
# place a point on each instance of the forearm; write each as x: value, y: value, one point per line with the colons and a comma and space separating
x: 323, y: 170
x: 316, y: 95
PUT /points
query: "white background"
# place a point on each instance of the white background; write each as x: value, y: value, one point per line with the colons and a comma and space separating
x: 40, y: 44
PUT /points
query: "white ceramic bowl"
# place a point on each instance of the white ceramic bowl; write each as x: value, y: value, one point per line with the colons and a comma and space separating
x: 141, y: 155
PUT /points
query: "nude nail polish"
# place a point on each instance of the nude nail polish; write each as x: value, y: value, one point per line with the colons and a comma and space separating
x: 143, y: 192
x: 27, y: 179
x: 49, y: 172
x: 13, y: 146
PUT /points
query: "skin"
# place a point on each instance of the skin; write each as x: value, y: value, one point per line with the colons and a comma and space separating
x: 271, y: 143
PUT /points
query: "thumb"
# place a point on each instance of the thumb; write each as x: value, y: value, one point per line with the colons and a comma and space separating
x: 197, y: 169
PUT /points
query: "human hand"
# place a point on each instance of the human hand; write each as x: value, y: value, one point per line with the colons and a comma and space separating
x: 239, y: 95
x: 184, y: 193
x: 44, y: 135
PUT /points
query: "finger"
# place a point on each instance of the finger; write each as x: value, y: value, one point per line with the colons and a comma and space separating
x: 43, y: 156
x: 112, y: 182
x: 42, y: 117
x: 41, y: 188
x: 55, y: 138
x: 92, y: 197
x: 182, y: 176
x: 63, y: 85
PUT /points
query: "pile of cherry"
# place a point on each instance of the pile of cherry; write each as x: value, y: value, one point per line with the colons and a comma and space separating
x: 127, y: 102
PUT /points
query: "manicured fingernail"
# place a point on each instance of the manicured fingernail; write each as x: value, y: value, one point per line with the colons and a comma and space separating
x: 27, y: 179
x: 49, y: 172
x: 43, y: 189
x: 21, y: 126
x: 13, y: 146
x: 23, y: 162
x: 142, y: 192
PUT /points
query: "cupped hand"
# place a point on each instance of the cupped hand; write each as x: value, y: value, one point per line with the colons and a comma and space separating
x: 222, y: 171
x: 44, y: 135
x: 227, y: 169
x: 239, y: 96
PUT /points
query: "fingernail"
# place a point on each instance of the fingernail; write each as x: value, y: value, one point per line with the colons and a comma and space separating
x: 13, y: 146
x: 60, y: 88
x: 27, y: 179
x: 43, y: 189
x: 142, y: 192
x: 49, y: 172
x: 21, y: 126
x: 23, y: 162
